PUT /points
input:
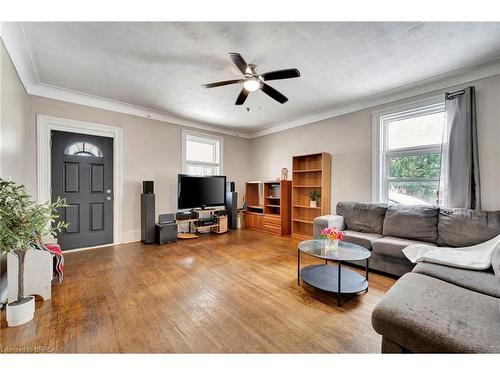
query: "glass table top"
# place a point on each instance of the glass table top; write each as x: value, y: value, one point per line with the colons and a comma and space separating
x: 345, y: 251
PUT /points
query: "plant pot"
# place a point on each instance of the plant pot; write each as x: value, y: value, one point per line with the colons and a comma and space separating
x: 313, y: 204
x: 20, y: 312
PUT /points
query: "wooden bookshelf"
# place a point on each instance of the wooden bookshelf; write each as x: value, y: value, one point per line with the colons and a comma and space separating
x: 309, y: 172
x: 269, y: 206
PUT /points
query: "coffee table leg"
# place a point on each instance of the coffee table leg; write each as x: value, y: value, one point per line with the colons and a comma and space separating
x: 298, y: 267
x: 367, y: 274
x: 338, y: 293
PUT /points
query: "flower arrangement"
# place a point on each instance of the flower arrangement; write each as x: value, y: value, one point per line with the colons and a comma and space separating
x: 332, y: 236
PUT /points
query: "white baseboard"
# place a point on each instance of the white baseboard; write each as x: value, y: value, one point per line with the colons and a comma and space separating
x: 131, y: 236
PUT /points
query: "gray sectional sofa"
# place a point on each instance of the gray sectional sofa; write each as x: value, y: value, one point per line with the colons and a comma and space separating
x: 433, y: 308
x: 440, y: 309
x: 386, y: 230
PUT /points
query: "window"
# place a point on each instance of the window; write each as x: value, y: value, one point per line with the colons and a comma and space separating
x: 201, y: 154
x: 83, y: 149
x: 408, y: 158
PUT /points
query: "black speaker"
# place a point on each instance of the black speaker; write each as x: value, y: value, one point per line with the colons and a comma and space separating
x: 230, y: 187
x: 232, y: 209
x: 148, y: 187
x: 148, y: 218
x: 166, y: 233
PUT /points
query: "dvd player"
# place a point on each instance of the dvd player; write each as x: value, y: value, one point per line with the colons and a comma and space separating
x: 206, y: 222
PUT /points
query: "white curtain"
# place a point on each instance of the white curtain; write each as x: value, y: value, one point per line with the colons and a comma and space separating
x: 459, y: 184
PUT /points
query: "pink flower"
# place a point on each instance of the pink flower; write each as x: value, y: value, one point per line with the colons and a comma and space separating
x: 332, y: 234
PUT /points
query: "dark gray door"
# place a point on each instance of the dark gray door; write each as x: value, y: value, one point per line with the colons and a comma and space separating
x: 82, y: 172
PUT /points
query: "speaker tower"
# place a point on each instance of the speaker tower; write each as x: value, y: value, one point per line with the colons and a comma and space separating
x: 148, y: 212
x: 232, y: 209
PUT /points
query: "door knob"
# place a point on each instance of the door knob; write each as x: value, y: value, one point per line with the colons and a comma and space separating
x: 108, y: 198
x: 108, y: 191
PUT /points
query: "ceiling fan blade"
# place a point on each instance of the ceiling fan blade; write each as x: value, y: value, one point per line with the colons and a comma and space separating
x: 238, y: 61
x: 275, y: 94
x: 242, y: 97
x: 222, y: 83
x: 281, y: 74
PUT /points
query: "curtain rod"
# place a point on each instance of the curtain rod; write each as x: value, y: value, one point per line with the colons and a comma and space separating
x: 453, y: 94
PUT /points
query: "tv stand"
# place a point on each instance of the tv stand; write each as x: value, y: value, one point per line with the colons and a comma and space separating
x: 195, y: 227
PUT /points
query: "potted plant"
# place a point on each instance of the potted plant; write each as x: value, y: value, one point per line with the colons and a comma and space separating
x: 313, y: 196
x: 23, y: 225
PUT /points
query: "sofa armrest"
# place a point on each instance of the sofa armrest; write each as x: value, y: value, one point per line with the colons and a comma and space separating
x: 327, y: 221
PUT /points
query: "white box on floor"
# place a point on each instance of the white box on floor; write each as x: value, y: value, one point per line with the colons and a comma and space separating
x: 38, y: 271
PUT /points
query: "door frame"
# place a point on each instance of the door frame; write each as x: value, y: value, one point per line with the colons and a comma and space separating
x: 45, y: 124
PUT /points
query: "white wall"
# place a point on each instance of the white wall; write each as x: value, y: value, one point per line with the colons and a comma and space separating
x: 13, y: 124
x: 13, y: 129
x: 151, y: 151
x: 348, y: 139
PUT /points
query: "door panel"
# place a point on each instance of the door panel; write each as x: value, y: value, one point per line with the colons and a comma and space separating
x: 82, y: 173
x: 97, y: 178
x: 96, y: 216
x: 71, y: 177
x: 72, y: 217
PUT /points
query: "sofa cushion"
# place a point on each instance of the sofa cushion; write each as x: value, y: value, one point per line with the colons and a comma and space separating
x: 495, y: 261
x: 362, y: 239
x: 427, y: 315
x: 363, y: 217
x: 393, y: 246
x: 479, y: 281
x: 460, y: 227
x: 413, y: 222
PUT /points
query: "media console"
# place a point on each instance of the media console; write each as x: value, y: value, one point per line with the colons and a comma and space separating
x: 204, y: 221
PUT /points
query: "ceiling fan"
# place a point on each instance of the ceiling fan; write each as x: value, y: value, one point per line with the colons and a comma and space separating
x: 253, y: 81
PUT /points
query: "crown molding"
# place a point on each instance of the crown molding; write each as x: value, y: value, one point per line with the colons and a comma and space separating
x: 435, y: 85
x: 16, y: 43
x: 57, y: 93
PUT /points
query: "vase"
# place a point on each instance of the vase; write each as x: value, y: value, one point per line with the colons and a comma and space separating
x: 313, y: 204
x: 331, y: 244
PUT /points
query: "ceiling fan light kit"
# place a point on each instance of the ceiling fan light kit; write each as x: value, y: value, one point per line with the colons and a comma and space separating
x: 252, y: 84
x: 253, y: 81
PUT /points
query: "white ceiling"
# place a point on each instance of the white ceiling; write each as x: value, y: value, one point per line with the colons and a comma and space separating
x: 162, y: 66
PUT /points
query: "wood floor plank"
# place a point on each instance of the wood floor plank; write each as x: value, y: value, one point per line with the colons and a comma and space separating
x: 230, y: 293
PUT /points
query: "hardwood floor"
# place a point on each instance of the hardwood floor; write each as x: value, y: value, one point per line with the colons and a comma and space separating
x: 230, y: 293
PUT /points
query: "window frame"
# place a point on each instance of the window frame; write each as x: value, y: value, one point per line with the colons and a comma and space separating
x: 381, y: 155
x: 205, y: 138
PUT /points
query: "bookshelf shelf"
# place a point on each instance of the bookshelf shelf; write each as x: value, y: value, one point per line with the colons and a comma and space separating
x: 306, y: 170
x: 308, y: 207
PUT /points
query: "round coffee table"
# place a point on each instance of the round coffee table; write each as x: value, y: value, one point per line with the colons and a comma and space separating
x: 333, y: 279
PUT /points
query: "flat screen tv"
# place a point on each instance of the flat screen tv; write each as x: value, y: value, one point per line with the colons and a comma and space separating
x: 200, y: 192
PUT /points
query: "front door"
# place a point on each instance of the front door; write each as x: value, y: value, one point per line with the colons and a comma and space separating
x: 82, y: 172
